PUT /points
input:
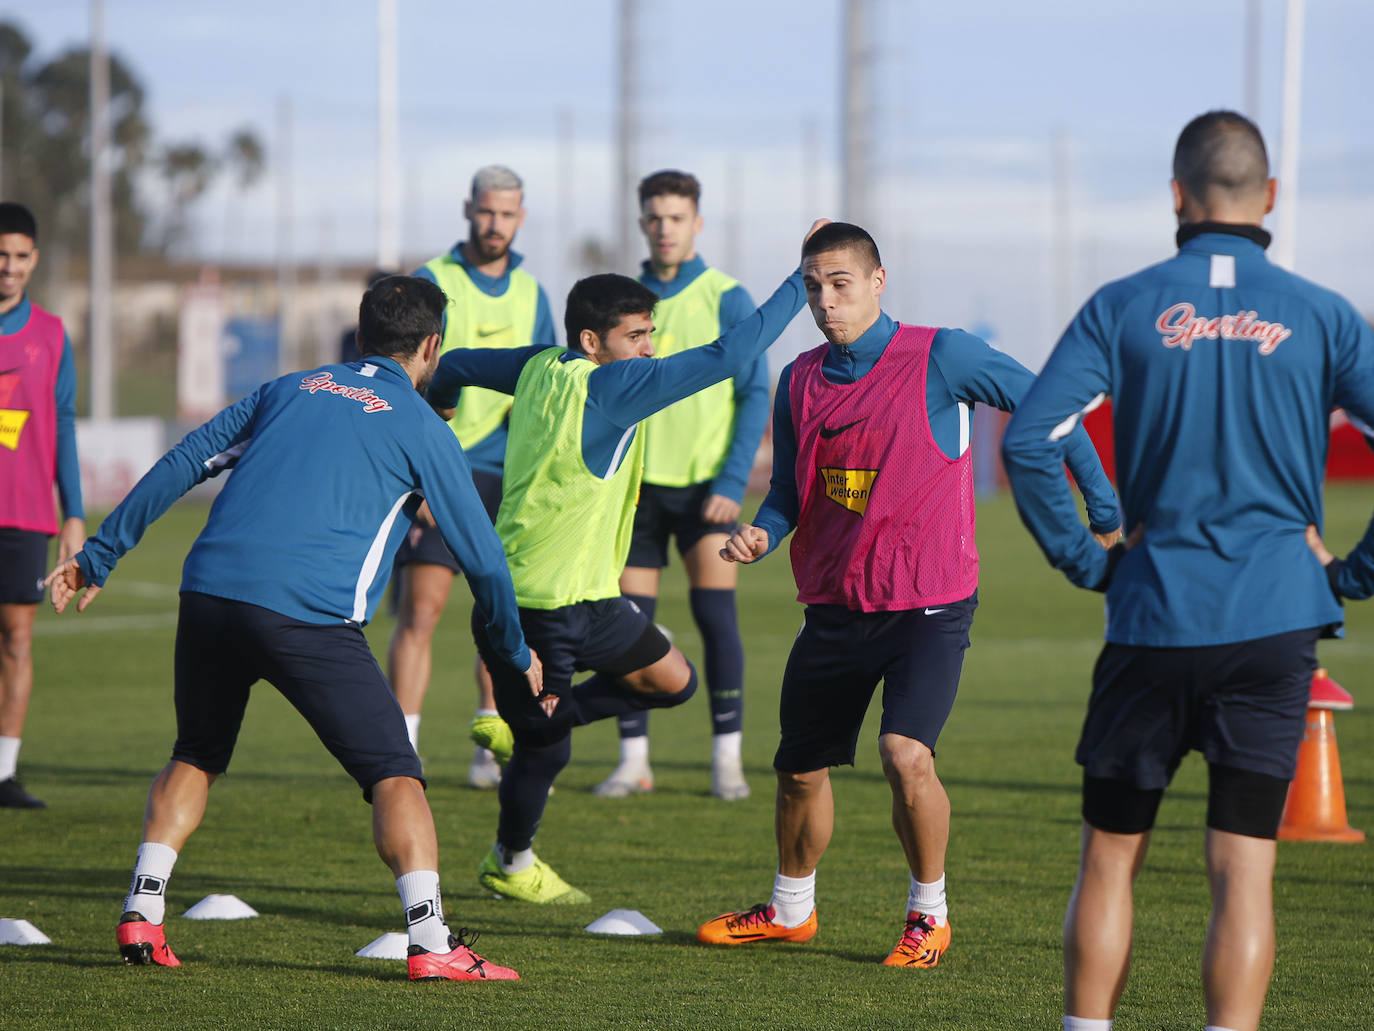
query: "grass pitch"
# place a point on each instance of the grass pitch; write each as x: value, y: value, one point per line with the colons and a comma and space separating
x: 287, y: 832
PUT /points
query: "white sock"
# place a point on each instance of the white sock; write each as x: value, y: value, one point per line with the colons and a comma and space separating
x: 148, y: 889
x: 424, y: 909
x: 1217, y: 1027
x: 514, y: 862
x: 1086, y: 1024
x: 928, y: 899
x: 9, y: 757
x: 634, y: 751
x: 793, y: 899
x: 725, y: 748
x: 413, y: 730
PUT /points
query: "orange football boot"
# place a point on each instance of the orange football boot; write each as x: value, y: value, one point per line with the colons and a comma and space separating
x: 754, y: 925
x: 922, y: 944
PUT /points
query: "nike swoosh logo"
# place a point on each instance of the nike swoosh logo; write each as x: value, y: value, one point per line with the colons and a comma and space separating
x: 6, y: 372
x: 931, y: 612
x: 827, y: 432
x: 490, y: 331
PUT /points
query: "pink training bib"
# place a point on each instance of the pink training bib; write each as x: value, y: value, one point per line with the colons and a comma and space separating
x: 887, y: 518
x: 29, y: 361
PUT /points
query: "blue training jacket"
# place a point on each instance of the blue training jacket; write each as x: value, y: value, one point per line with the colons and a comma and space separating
x: 329, y: 467
x: 1223, y: 370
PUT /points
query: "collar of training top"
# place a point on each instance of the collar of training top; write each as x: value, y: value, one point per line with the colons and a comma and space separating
x: 1189, y: 230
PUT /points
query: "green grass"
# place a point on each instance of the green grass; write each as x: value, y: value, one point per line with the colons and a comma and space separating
x: 288, y: 833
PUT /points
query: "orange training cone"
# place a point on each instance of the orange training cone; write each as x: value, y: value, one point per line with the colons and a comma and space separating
x: 1316, y: 799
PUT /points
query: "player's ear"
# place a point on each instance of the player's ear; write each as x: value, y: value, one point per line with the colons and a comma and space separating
x: 587, y: 342
x: 1271, y: 194
x: 429, y: 347
x: 879, y: 280
x: 1177, y: 189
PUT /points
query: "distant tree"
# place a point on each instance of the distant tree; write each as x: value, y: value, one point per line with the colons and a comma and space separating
x: 47, y: 141
x: 188, y: 171
x: 46, y: 157
x: 246, y: 157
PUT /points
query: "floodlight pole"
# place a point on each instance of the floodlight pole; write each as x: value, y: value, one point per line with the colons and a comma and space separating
x: 856, y: 112
x: 627, y: 135
x: 102, y: 237
x: 1285, y: 249
x: 388, y: 116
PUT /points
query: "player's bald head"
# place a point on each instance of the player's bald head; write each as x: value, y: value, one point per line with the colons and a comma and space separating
x: 1220, y: 156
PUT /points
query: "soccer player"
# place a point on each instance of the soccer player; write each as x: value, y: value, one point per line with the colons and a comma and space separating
x: 1222, y: 370
x: 493, y: 302
x: 884, y: 560
x: 697, y: 457
x: 37, y: 449
x: 328, y: 466
x: 572, y: 475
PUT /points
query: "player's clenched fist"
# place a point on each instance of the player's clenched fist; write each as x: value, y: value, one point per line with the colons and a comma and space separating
x: 747, y: 544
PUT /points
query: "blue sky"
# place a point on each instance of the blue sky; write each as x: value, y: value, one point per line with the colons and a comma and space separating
x: 969, y: 98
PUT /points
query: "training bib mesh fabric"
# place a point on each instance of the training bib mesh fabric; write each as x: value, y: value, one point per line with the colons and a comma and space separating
x: 29, y: 362
x: 886, y: 520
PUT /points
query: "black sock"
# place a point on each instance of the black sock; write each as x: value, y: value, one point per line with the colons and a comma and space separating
x: 714, y: 612
x: 636, y: 724
x: 524, y: 790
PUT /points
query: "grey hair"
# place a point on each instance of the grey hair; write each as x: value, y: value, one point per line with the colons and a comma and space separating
x: 495, y: 177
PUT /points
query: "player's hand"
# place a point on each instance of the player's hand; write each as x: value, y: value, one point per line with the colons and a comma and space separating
x: 720, y: 510
x: 1108, y: 539
x: 70, y: 539
x: 1314, y: 541
x: 534, y: 676
x: 814, y: 226
x: 745, y: 545
x: 66, y: 581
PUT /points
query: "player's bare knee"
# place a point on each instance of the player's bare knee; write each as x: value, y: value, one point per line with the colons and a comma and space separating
x: 906, y: 761
x: 16, y: 643
x: 670, y: 677
x: 800, y: 787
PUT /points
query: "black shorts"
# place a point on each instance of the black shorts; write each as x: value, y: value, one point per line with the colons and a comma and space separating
x: 23, y: 564
x: 1241, y: 705
x: 610, y: 636
x: 836, y: 663
x: 666, y: 512
x: 424, y: 545
x: 327, y: 672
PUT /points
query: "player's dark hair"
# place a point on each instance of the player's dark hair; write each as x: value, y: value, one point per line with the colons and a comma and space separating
x: 670, y: 182
x: 15, y: 218
x: 839, y: 236
x: 397, y: 313
x: 1220, y: 151
x: 599, y: 303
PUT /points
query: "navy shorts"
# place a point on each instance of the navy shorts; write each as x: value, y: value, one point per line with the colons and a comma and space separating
x: 327, y: 672
x: 610, y: 636
x: 1241, y: 705
x: 424, y: 545
x: 836, y: 663
x: 23, y: 564
x: 666, y: 512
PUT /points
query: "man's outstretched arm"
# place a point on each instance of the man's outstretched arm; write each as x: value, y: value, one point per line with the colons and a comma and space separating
x: 492, y: 367
x: 202, y: 453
